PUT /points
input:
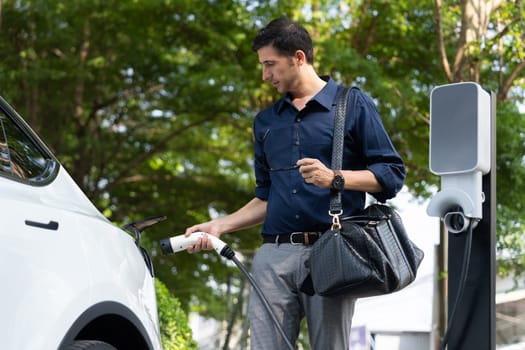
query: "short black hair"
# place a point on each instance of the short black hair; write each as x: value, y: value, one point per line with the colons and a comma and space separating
x: 286, y: 37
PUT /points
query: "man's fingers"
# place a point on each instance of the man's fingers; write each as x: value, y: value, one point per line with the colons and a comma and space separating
x: 203, y: 243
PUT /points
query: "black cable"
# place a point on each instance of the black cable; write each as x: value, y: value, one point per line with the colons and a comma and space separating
x: 230, y: 254
x: 461, y: 287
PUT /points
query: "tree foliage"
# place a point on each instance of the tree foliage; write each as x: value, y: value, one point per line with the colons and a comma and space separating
x: 149, y: 104
x: 176, y: 333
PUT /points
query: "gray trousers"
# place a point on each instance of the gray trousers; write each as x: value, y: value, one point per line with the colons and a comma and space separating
x: 279, y: 271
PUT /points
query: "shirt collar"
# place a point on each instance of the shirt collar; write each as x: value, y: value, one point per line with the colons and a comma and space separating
x: 325, y: 97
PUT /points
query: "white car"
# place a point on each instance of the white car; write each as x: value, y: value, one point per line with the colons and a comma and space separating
x: 70, y: 279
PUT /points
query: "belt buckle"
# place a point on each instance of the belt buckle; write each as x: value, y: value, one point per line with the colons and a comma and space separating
x: 291, y: 238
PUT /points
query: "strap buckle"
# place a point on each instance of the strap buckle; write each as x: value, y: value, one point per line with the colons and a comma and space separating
x: 336, y: 223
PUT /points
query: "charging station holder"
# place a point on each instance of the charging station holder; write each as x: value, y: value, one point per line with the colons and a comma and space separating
x: 463, y: 153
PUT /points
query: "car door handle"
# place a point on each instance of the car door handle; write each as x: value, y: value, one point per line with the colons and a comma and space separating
x: 51, y: 225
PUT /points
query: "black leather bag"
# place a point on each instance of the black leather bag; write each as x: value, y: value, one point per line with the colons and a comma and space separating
x: 363, y: 255
x: 370, y: 254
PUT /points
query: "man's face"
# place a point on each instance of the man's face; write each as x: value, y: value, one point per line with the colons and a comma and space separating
x: 279, y: 70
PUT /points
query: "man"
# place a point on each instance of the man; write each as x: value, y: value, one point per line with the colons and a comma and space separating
x: 293, y: 146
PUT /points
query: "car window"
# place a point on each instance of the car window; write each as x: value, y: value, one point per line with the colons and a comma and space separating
x: 19, y: 156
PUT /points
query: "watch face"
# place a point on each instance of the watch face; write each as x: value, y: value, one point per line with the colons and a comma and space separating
x: 338, y: 183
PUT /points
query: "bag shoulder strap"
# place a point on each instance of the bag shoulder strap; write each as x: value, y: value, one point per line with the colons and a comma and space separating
x: 336, y: 205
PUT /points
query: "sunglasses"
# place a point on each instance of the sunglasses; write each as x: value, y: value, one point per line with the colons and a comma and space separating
x: 293, y: 167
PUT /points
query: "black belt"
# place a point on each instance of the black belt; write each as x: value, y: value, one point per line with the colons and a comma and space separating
x: 306, y: 238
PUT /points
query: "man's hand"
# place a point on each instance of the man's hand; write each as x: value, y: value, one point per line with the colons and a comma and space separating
x: 203, y: 243
x: 316, y: 173
x: 251, y: 214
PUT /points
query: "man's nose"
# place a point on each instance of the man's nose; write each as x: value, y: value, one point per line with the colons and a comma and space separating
x: 265, y: 74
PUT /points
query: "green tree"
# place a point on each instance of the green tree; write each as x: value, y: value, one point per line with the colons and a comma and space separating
x: 141, y: 101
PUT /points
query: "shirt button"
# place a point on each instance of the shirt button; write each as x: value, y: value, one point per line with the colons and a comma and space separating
x: 298, y: 119
x: 297, y: 143
x: 294, y: 191
x: 297, y: 216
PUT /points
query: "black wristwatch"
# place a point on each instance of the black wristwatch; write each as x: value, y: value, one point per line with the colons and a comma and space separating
x: 338, y: 183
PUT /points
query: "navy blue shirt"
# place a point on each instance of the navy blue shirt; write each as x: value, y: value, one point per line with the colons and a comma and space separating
x: 283, y: 135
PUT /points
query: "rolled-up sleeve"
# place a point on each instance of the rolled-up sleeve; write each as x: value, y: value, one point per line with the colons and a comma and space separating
x: 379, y: 154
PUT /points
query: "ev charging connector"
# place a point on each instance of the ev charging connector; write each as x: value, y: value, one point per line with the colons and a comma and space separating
x: 179, y: 243
x: 459, y: 152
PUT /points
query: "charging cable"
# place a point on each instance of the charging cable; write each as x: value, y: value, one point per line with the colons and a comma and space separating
x: 462, y: 283
x: 178, y: 243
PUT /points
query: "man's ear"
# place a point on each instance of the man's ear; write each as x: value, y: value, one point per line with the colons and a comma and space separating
x: 300, y: 57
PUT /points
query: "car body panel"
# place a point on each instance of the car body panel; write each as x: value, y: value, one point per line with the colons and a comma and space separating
x: 59, y: 258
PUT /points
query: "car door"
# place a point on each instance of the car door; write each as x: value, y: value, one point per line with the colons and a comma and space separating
x: 39, y: 261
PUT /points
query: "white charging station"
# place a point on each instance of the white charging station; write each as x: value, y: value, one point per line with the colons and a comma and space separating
x: 460, y: 139
x: 463, y: 154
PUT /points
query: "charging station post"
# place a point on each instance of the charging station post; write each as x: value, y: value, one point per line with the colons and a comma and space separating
x: 462, y: 152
